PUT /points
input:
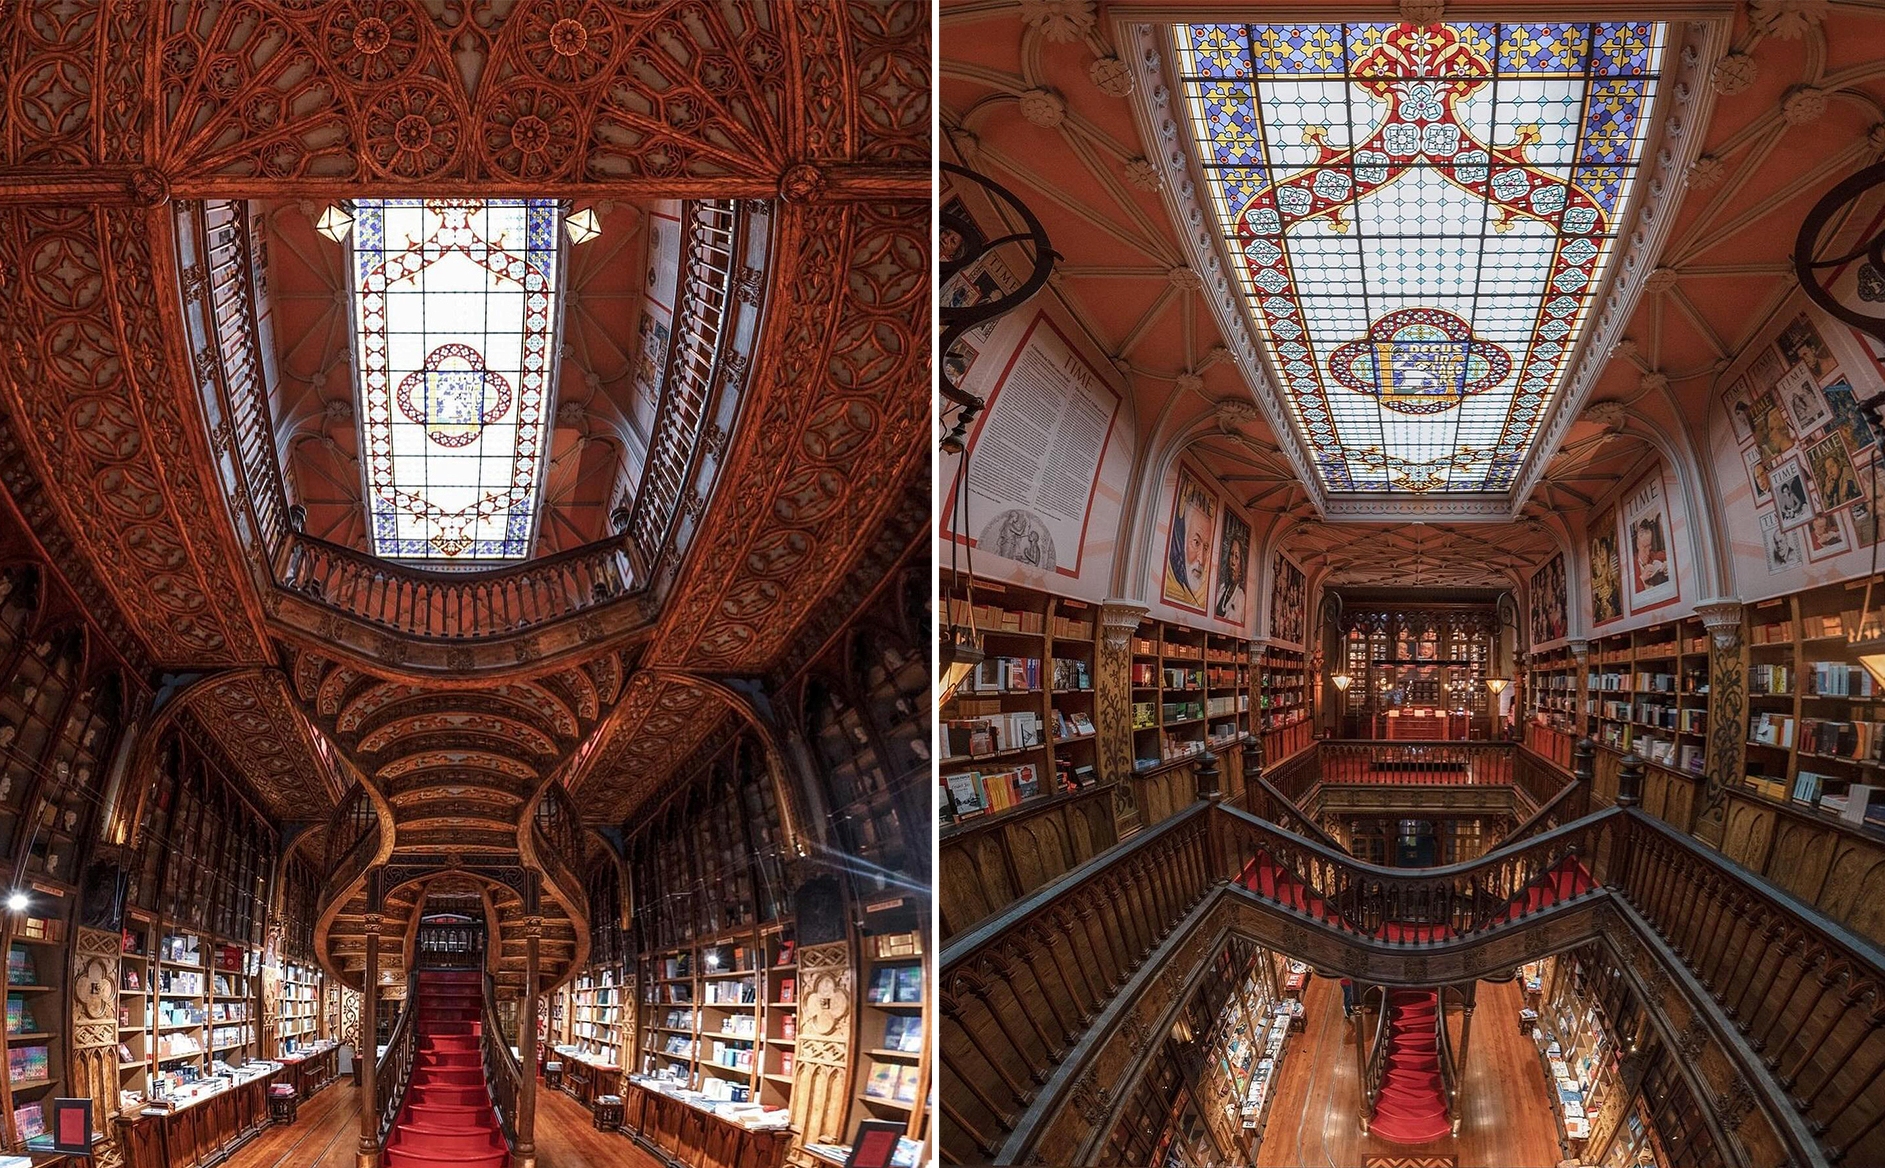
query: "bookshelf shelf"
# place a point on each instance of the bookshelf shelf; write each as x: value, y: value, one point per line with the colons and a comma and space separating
x: 893, y: 1018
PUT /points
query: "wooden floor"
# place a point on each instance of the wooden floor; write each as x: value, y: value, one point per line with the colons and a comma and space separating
x: 1313, y: 1121
x: 328, y: 1129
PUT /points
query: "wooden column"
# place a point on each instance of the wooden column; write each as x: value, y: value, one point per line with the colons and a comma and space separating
x: 1724, y: 760
x: 368, y: 1153
x: 527, y: 1048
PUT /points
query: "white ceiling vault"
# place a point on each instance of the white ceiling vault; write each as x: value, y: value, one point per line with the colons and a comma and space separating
x: 1784, y: 98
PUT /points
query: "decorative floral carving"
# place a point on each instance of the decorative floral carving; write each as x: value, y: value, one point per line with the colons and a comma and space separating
x: 1735, y: 72
x: 1110, y: 76
x: 1061, y: 21
x: 1706, y: 172
x: 1043, y: 108
x: 1785, y: 19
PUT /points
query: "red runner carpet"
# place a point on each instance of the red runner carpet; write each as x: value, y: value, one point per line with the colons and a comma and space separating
x: 447, y: 1117
x: 1411, y: 1108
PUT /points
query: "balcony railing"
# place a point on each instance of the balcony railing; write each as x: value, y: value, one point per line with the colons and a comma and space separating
x: 724, y: 247
x: 1042, y: 983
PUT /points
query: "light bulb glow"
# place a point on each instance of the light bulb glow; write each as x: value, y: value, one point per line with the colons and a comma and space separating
x: 16, y: 902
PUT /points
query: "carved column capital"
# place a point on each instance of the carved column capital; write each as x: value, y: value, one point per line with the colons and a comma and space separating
x: 1722, y: 619
x: 1580, y: 649
x: 1119, y: 619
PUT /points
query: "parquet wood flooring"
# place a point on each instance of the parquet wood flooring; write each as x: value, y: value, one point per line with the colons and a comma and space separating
x: 328, y: 1128
x: 1313, y: 1122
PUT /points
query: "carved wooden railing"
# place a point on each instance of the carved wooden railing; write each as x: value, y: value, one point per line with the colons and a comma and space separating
x: 455, y: 605
x: 1376, y: 1065
x: 502, y: 1074
x: 695, y: 356
x: 1019, y: 991
x: 1807, y: 994
x: 448, y: 946
x: 1423, y: 904
x: 1558, y: 797
x: 723, y: 253
x: 1413, y: 761
x: 393, y: 1071
x: 1450, y: 1077
x: 233, y: 346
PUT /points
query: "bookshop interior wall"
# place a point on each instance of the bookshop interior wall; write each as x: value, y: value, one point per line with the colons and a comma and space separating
x: 1312, y: 507
x: 465, y: 619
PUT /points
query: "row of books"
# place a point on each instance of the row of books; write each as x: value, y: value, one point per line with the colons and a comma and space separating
x: 731, y: 992
x: 1074, y: 725
x: 1770, y: 679
x: 974, y: 792
x: 993, y: 733
x: 1004, y: 675
x: 27, y: 1062
x: 1228, y: 704
x: 1771, y: 729
x: 897, y: 1082
x: 904, y: 1032
x: 1857, y: 740
x: 994, y: 618
x: 1070, y: 628
x: 1837, y: 679
x: 901, y: 984
x: 1181, y: 711
x: 1222, y: 677
x: 176, y: 981
x: 1072, y: 673
x: 740, y: 1025
x: 679, y: 1020
x: 737, y: 1056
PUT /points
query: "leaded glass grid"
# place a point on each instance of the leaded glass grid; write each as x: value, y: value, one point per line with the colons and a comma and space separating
x: 1419, y: 219
x: 454, y: 311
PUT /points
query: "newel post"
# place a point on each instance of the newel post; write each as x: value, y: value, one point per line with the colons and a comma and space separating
x: 1629, y: 798
x: 1255, y: 801
x: 1584, y: 773
x: 1209, y: 790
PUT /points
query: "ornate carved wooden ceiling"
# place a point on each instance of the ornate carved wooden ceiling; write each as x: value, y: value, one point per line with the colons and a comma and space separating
x: 823, y: 105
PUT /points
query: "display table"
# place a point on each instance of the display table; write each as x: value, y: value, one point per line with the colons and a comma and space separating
x: 199, y: 1129
x: 586, y: 1076
x: 686, y: 1130
x: 312, y: 1067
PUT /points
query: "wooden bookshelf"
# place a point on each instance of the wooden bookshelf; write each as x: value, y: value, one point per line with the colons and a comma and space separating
x: 1553, y: 693
x: 596, y: 1010
x: 1283, y: 701
x: 778, y: 1046
x: 997, y: 749
x: 300, y: 1006
x: 36, y: 997
x: 704, y: 1017
x: 892, y: 1082
x: 1647, y: 690
x: 1816, y: 727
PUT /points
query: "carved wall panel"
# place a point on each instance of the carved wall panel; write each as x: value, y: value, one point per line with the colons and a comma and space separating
x: 1112, y: 700
x: 95, y: 957
x: 1727, y: 734
x: 821, y: 1076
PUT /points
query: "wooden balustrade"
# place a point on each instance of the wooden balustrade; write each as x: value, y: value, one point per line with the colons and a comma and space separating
x: 502, y: 1074
x: 1422, y: 904
x: 987, y: 863
x: 240, y: 345
x: 1398, y: 761
x: 694, y: 358
x: 1808, y: 995
x: 393, y: 1071
x: 455, y: 605
x: 1018, y: 992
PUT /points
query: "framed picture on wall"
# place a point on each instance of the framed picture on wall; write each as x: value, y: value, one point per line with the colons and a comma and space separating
x: 1758, y: 480
x: 1833, y: 476
x: 1793, y: 497
x: 1826, y: 536
x: 1231, y: 592
x: 1606, y: 569
x: 1782, y: 548
x: 1648, y: 546
x: 1549, y: 607
x: 1188, y: 545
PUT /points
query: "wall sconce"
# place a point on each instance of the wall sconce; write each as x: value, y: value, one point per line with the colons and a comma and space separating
x: 1342, y: 681
x: 1497, y: 685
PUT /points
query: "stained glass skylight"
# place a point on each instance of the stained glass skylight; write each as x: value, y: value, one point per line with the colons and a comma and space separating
x: 1420, y: 219
x: 454, y: 313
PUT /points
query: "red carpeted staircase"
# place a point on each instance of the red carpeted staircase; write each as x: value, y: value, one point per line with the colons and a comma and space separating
x: 447, y: 1117
x: 1411, y: 1106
